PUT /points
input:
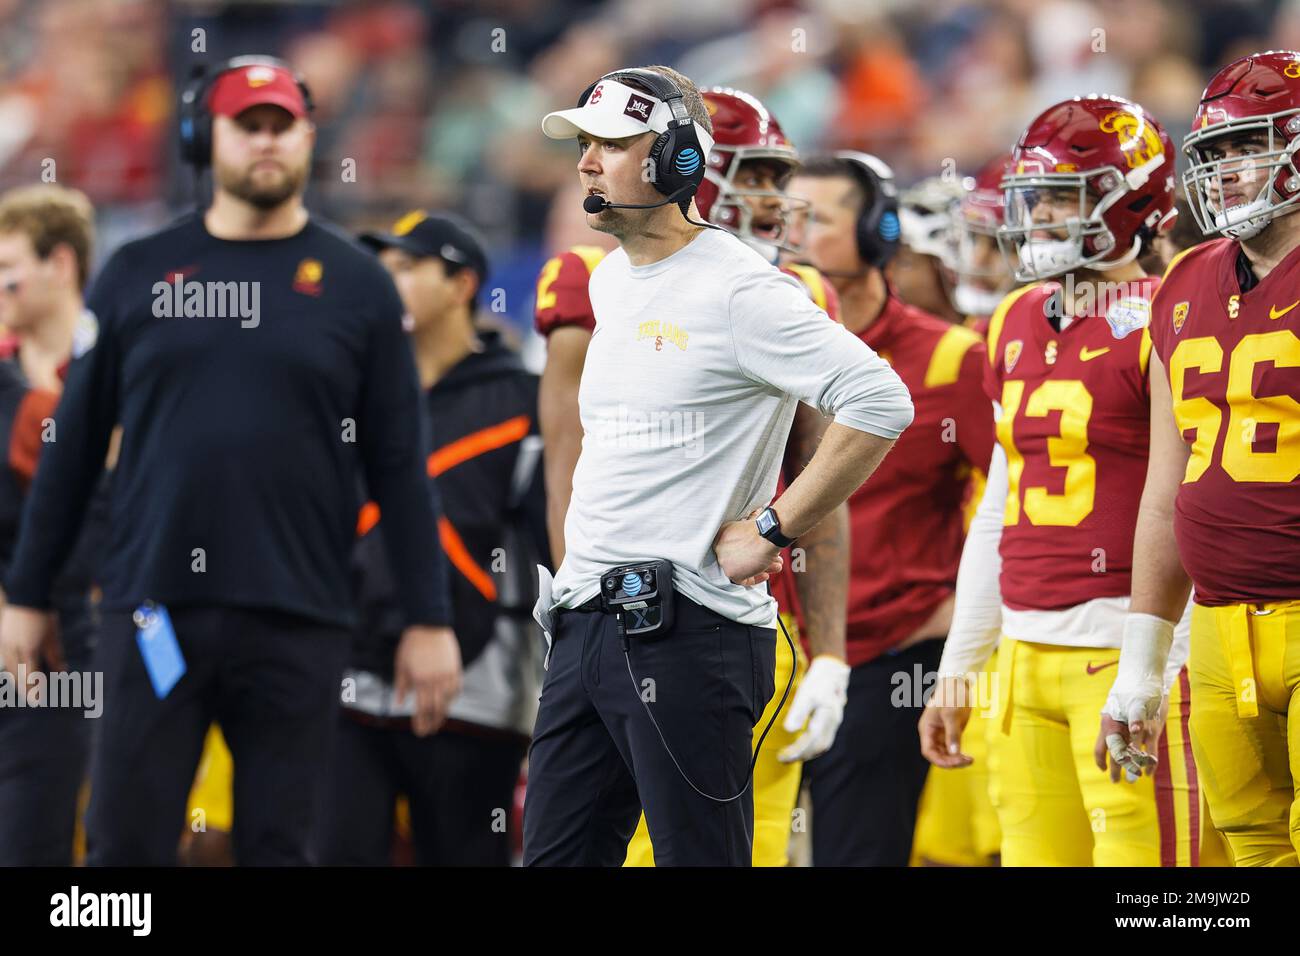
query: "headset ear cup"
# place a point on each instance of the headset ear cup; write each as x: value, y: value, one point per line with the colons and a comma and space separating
x: 661, y: 154
x: 889, y: 231
x: 679, y: 161
x: 878, y: 232
x: 203, y: 140
x: 689, y: 159
x: 195, y: 133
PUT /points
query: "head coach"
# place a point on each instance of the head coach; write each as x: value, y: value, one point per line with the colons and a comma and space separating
x: 663, y: 641
x: 256, y: 361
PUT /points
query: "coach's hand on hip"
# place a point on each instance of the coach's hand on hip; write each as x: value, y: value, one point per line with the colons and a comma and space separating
x: 428, y: 665
x: 745, y: 556
x: 29, y: 636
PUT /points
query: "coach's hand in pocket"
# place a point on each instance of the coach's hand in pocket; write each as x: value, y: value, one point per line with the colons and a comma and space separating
x: 427, y: 665
x: 745, y: 556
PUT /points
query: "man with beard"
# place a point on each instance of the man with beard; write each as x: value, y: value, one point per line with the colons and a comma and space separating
x: 257, y: 363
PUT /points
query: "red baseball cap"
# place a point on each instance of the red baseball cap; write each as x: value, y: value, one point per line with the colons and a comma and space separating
x: 256, y: 85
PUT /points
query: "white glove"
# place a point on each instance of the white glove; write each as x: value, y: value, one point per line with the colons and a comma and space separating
x: 819, y: 701
x: 1136, y: 695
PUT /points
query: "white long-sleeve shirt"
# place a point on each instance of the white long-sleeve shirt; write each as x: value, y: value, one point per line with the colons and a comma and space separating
x: 687, y: 397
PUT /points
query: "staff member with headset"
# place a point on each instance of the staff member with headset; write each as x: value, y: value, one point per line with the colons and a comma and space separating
x: 234, y: 500
x: 906, y: 526
x: 662, y: 642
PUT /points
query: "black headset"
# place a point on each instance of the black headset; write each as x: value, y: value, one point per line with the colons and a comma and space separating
x: 878, y: 229
x: 678, y: 156
x: 195, y: 118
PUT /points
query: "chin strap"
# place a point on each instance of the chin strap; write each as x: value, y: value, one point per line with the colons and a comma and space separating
x: 1105, y: 265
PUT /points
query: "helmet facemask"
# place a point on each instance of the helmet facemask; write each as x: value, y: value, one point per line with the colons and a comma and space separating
x: 1079, y: 237
x: 768, y: 233
x: 979, y: 288
x: 1269, y: 172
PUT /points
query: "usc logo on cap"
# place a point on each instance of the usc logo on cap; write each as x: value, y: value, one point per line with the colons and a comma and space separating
x: 259, y: 76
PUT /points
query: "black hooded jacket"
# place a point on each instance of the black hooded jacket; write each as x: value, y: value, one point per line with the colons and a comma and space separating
x: 486, y: 465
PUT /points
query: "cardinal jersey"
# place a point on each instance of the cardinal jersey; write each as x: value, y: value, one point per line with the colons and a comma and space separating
x: 562, y: 297
x: 1075, y: 423
x: 906, y: 522
x: 1233, y: 361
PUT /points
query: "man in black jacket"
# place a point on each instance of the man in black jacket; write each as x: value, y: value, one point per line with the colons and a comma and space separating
x: 256, y: 362
x: 483, y: 408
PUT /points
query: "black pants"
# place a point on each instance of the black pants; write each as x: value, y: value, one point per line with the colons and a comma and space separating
x: 270, y: 679
x: 459, y: 783
x: 866, y: 788
x: 43, y: 757
x: 597, y: 760
x: 42, y: 763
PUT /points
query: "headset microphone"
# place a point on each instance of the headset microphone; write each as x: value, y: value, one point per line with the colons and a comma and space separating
x: 595, y: 204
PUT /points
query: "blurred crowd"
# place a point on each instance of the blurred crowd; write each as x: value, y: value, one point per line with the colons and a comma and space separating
x: 438, y: 104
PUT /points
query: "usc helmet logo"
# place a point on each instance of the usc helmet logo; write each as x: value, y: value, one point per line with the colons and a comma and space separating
x: 1292, y: 70
x: 1137, y: 138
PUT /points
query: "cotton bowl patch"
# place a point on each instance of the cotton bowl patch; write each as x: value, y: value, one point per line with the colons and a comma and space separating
x: 1128, y: 315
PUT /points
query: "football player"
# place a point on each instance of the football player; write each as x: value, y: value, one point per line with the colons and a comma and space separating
x: 922, y: 270
x: 983, y: 277
x: 748, y: 167
x: 955, y: 823
x: 1221, y: 504
x: 906, y: 528
x: 1047, y: 562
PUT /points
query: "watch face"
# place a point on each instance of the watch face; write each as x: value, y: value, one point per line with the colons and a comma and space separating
x: 766, y: 522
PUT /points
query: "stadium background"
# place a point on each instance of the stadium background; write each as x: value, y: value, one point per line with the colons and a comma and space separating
x: 438, y: 104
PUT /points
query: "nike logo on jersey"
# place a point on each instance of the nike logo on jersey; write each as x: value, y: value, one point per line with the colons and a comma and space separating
x: 1087, y: 355
x: 1093, y: 668
x: 1275, y: 313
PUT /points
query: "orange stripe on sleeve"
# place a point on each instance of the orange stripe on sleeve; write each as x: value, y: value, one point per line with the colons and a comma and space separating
x: 478, y: 443
x: 462, y: 562
x: 452, y: 544
x: 367, y: 518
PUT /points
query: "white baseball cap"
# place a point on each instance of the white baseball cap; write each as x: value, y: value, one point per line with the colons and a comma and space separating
x: 613, y: 111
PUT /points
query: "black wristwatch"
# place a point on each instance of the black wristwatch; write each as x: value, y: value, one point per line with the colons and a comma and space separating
x: 769, y: 527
